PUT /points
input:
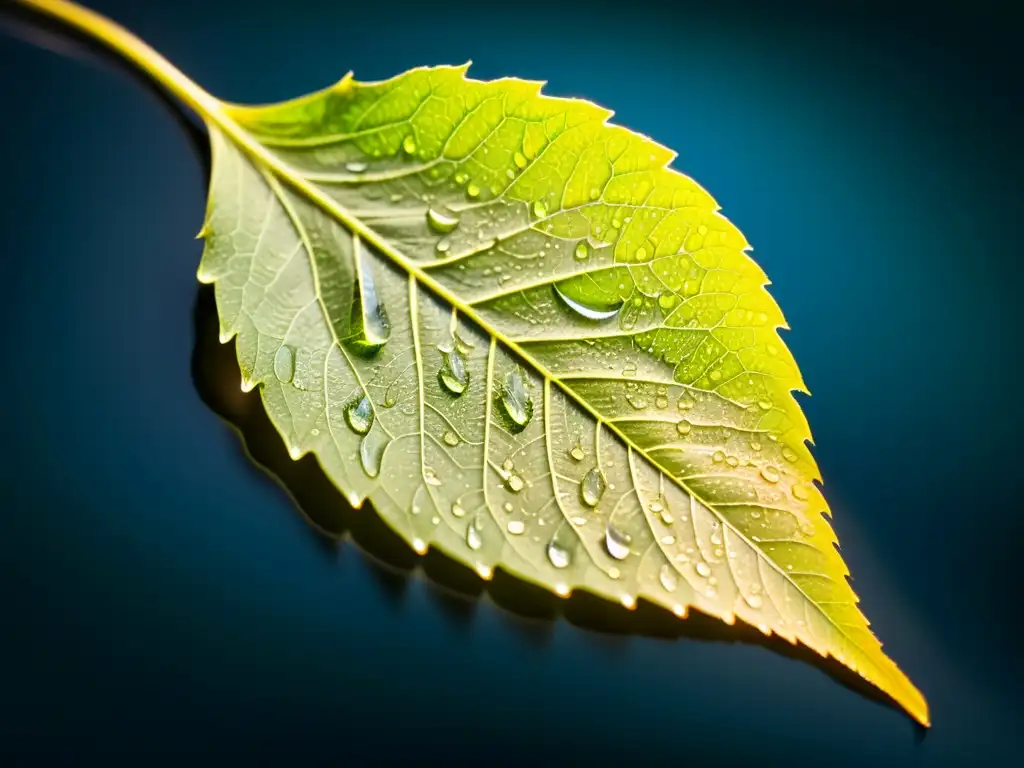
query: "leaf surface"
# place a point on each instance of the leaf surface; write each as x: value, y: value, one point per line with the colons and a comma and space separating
x: 532, y: 345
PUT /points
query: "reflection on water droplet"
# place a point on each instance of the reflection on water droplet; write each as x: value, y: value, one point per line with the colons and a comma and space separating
x: 770, y: 473
x: 284, y: 363
x: 355, y: 167
x: 668, y: 578
x: 558, y: 555
x: 454, y: 376
x: 703, y: 569
x: 588, y: 311
x: 592, y: 487
x: 359, y: 415
x: 369, y: 315
x: 473, y: 538
x: 516, y: 527
x: 582, y: 250
x: 616, y: 542
x: 371, y: 452
x: 441, y: 220
x: 517, y: 401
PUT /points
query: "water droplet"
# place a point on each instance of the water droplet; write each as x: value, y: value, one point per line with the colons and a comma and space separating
x: 770, y: 473
x: 368, y: 312
x: 409, y: 145
x: 661, y: 401
x: 732, y: 461
x: 430, y: 476
x: 668, y: 578
x: 592, y: 487
x: 514, y: 483
x: 591, y: 312
x: 454, y: 376
x: 716, y: 375
x: 716, y: 538
x: 616, y: 542
x: 801, y: 492
x: 641, y: 254
x: 558, y: 555
x: 520, y: 160
x: 516, y: 527
x: 754, y: 601
x: 703, y: 569
x: 473, y: 538
x: 540, y: 210
x: 668, y: 541
x: 764, y: 405
x: 371, y: 452
x: 443, y: 246
x: 685, y: 402
x: 355, y: 167
x: 473, y: 190
x: 582, y: 251
x: 458, y: 510
x: 442, y: 221
x: 788, y: 454
x: 284, y: 363
x: 517, y: 401
x: 577, y: 453
x: 450, y: 438
x: 359, y: 415
x: 718, y: 457
x: 683, y: 427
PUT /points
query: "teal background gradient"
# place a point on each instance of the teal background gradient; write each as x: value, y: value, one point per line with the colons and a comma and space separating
x: 160, y: 599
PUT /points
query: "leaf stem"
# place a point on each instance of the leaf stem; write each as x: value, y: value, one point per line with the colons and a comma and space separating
x: 123, y: 42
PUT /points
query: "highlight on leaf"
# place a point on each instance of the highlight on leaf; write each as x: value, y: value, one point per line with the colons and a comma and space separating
x: 524, y: 338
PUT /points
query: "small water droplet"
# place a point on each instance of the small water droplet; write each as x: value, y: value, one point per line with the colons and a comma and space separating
x: 801, y: 492
x: 517, y: 401
x: 592, y: 487
x: 514, y: 483
x: 355, y: 167
x: 520, y: 160
x: 577, y: 453
x: 668, y: 578
x: 685, y: 402
x: 683, y: 427
x: 716, y: 538
x: 770, y: 473
x: 557, y: 555
x: 582, y: 251
x: 764, y: 405
x: 732, y: 461
x: 409, y: 145
x: 450, y: 438
x: 716, y: 375
x: 516, y: 527
x: 443, y: 246
x: 454, y: 376
x: 616, y: 542
x: 458, y: 510
x: 754, y: 601
x: 540, y: 210
x: 442, y: 221
x: 430, y: 476
x: 359, y: 415
x: 788, y: 454
x: 703, y: 569
x: 473, y: 538
x: 473, y: 190
x: 284, y: 363
x: 718, y: 457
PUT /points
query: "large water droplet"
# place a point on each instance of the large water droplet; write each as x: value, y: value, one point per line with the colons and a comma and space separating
x: 441, y: 220
x: 284, y: 363
x: 517, y: 401
x: 588, y: 311
x: 558, y: 555
x: 592, y: 487
x: 770, y: 473
x: 473, y: 538
x: 368, y: 313
x: 371, y: 451
x: 359, y: 415
x: 454, y: 376
x: 703, y: 569
x: 668, y: 578
x: 616, y: 542
x: 516, y: 527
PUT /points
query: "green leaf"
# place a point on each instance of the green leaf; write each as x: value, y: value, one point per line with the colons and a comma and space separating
x: 528, y: 342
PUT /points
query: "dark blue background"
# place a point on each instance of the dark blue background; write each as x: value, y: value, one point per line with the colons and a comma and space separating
x: 160, y: 597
